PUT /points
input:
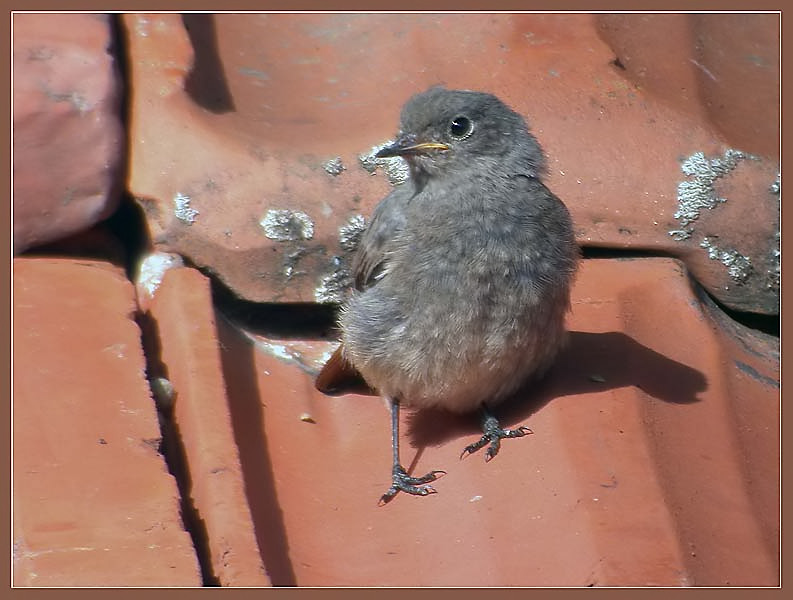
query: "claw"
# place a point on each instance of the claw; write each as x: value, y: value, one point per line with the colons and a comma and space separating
x: 416, y: 491
x: 402, y: 482
x: 493, y: 449
x: 493, y: 434
x: 431, y: 476
x: 471, y: 448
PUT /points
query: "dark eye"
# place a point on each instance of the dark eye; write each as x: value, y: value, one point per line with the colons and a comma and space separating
x: 461, y: 127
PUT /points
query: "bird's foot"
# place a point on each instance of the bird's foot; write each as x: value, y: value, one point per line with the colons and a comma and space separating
x: 402, y: 482
x: 493, y: 434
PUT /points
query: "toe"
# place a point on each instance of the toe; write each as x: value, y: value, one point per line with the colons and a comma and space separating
x: 415, y: 486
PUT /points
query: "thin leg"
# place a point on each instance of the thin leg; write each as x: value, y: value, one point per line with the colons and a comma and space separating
x: 400, y: 480
x: 493, y: 434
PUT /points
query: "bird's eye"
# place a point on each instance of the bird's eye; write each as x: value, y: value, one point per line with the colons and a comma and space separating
x: 461, y: 127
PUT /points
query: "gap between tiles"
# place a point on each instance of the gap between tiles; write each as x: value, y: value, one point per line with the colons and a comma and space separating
x: 172, y: 447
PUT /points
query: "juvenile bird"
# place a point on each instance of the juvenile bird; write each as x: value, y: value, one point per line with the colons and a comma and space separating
x: 463, y: 275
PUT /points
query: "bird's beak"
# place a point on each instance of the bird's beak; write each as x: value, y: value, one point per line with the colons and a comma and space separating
x: 407, y: 145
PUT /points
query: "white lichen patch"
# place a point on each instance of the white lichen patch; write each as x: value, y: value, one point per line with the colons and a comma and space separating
x: 284, y: 225
x: 334, y: 166
x: 152, y: 269
x: 739, y: 267
x: 698, y: 192
x: 350, y: 233
x: 333, y: 286
x: 182, y: 209
x: 396, y: 168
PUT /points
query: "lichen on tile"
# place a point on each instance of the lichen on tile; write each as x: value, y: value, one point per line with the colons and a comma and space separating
x: 698, y: 193
x: 182, y: 209
x: 395, y: 168
x: 351, y: 231
x: 333, y: 286
x: 738, y: 266
x: 285, y: 225
x: 152, y: 269
x: 334, y: 166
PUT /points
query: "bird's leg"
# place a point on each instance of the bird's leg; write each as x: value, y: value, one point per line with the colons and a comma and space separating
x: 400, y: 480
x: 493, y: 434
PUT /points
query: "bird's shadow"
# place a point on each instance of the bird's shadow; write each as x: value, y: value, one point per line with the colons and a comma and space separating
x: 591, y: 362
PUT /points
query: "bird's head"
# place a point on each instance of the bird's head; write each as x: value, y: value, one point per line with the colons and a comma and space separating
x: 457, y: 132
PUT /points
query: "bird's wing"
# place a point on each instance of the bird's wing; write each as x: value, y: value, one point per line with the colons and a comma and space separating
x: 369, y: 263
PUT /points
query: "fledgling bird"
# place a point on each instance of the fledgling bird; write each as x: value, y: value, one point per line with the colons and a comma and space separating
x: 463, y: 275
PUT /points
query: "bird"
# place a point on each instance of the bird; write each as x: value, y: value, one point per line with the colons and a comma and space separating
x: 462, y: 276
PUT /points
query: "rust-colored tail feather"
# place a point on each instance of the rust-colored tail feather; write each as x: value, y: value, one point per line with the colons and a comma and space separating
x: 338, y: 376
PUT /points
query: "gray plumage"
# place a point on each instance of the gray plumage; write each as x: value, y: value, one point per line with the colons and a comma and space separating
x: 463, y: 275
x: 464, y: 272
